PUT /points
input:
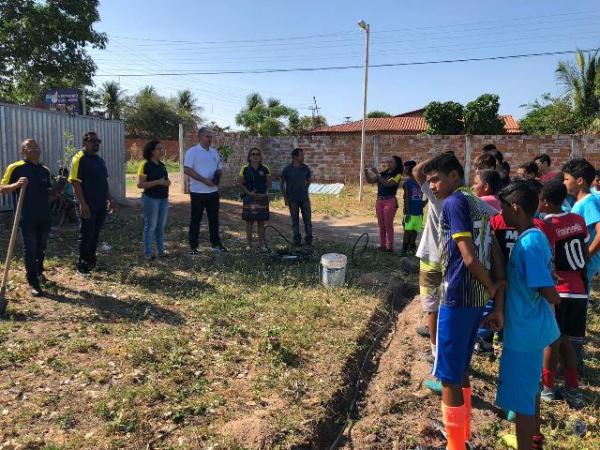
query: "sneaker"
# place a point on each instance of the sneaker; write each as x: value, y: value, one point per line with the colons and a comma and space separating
x: 219, y: 248
x: 510, y: 440
x: 36, y: 290
x: 164, y: 255
x: 149, y: 257
x: 83, y: 268
x: 423, y: 331
x: 574, y: 397
x: 547, y: 394
x: 434, y: 386
x: 248, y: 248
x: 194, y: 252
x: 484, y: 348
x: 538, y: 442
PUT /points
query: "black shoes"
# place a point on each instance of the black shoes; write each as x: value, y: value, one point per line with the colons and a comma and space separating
x: 36, y: 290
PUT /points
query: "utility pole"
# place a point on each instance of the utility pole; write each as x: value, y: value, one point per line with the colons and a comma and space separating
x: 365, y: 27
x: 314, y: 112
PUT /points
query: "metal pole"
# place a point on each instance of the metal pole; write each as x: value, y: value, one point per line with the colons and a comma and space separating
x: 364, y: 122
x: 181, y: 174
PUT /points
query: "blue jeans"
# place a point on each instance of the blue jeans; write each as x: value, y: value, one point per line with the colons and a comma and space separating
x: 155, y: 220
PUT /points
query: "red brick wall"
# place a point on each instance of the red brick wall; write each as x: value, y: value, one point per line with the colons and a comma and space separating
x: 337, y: 158
x: 135, y: 148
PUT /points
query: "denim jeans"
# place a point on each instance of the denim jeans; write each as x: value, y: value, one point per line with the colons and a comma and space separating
x: 295, y: 209
x: 155, y: 220
x: 35, y: 237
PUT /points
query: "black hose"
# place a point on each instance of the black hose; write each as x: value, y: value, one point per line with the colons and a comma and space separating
x: 355, y: 257
x: 357, y: 390
x: 290, y: 243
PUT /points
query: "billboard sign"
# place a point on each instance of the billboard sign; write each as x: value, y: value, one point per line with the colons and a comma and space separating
x: 64, y: 99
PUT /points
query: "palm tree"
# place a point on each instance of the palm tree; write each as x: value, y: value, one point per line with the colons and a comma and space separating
x: 147, y: 92
x: 113, y: 99
x: 265, y: 118
x: 187, y: 107
x: 582, y: 82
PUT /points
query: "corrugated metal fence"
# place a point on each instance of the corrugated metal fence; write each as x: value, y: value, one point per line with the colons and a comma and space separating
x: 48, y: 129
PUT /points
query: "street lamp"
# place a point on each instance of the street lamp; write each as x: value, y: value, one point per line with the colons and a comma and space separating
x: 365, y: 27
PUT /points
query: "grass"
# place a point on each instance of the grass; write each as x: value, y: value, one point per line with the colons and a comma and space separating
x: 343, y: 205
x: 176, y: 353
x: 131, y: 166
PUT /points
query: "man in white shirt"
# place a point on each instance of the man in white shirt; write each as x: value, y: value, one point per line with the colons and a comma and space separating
x: 203, y: 166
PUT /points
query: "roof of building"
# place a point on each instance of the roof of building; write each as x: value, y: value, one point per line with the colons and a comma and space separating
x: 411, y: 122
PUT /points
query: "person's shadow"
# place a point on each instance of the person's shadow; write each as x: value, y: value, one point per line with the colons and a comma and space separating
x: 111, y: 309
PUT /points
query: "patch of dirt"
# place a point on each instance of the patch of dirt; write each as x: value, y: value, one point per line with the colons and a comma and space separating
x: 397, y: 411
x: 254, y: 432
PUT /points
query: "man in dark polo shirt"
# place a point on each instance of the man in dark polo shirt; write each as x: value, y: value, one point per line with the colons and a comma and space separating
x: 89, y: 177
x: 35, y: 215
x: 295, y: 180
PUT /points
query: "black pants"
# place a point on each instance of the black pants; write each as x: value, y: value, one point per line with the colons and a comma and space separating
x: 304, y: 208
x: 35, y: 237
x: 210, y: 202
x: 89, y: 233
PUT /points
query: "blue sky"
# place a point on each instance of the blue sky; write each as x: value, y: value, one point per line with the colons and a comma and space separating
x: 150, y: 36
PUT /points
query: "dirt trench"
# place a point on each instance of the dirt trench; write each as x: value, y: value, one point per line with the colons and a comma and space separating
x: 396, y: 411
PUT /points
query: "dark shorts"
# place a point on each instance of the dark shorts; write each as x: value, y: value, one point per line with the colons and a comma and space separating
x: 456, y: 337
x: 571, y: 315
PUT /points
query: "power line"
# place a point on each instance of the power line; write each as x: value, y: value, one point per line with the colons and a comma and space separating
x: 348, y: 32
x: 359, y: 66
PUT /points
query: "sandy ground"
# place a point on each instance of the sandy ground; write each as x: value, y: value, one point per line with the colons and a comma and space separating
x: 345, y: 230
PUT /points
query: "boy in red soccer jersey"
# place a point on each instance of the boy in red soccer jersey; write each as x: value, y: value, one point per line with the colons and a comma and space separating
x: 568, y: 234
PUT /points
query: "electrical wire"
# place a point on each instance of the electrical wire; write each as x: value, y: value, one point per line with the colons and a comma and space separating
x: 357, y: 66
x: 463, y: 27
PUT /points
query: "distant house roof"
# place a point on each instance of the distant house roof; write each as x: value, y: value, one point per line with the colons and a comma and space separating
x: 411, y: 122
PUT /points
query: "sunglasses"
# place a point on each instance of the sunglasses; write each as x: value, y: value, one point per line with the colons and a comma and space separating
x: 254, y: 154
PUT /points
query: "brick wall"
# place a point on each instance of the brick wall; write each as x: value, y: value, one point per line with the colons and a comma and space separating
x: 337, y: 158
x: 135, y: 148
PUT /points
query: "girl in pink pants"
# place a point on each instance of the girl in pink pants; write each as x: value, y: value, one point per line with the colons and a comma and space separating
x: 387, y: 204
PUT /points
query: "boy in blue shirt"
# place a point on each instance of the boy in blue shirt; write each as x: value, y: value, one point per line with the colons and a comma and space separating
x: 579, y: 175
x: 529, y: 322
x: 466, y: 247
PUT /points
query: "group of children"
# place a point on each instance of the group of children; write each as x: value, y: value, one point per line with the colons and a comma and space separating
x: 388, y: 182
x: 515, y: 257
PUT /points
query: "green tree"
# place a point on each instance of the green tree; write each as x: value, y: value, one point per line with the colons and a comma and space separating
x: 43, y: 44
x: 582, y: 83
x: 481, y: 115
x: 150, y: 115
x: 444, y: 118
x: 378, y: 114
x: 305, y: 124
x: 553, y: 115
x: 113, y: 99
x: 187, y: 107
x: 270, y: 118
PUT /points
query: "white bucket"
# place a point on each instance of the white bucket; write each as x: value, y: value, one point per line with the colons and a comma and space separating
x: 333, y: 269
